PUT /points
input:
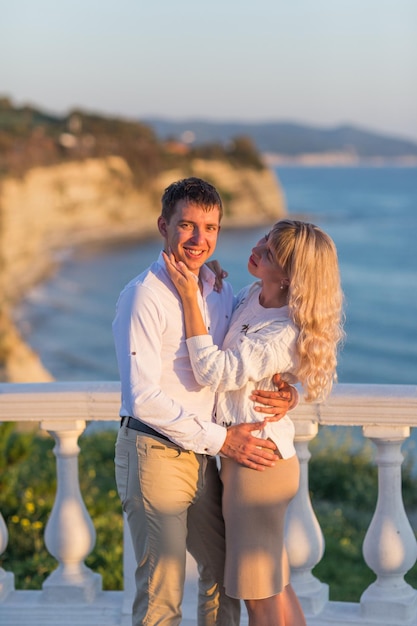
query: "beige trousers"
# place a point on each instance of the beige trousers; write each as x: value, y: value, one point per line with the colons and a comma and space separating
x: 172, y: 499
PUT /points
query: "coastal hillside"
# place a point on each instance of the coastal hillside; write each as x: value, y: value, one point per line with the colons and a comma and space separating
x: 64, y: 205
x: 294, y: 142
x: 55, y: 198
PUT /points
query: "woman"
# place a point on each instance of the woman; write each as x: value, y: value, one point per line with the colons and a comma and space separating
x: 289, y: 321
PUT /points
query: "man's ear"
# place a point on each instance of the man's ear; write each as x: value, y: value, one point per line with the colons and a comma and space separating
x: 162, y: 226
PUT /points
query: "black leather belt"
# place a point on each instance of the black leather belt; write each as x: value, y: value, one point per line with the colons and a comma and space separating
x: 135, y: 424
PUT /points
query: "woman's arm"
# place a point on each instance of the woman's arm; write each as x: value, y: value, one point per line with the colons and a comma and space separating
x: 275, y: 403
x: 253, y: 358
x: 187, y: 286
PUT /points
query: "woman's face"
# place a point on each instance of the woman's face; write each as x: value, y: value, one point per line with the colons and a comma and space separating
x: 263, y: 265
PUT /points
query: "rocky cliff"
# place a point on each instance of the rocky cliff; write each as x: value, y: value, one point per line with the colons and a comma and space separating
x: 59, y: 207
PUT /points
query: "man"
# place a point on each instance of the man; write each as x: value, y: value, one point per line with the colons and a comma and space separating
x: 166, y: 472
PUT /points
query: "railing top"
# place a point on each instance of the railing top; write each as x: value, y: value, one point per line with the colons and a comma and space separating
x: 35, y: 402
x: 349, y: 404
x: 364, y: 404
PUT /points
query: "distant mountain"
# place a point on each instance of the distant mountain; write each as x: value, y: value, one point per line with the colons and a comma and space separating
x: 287, y: 139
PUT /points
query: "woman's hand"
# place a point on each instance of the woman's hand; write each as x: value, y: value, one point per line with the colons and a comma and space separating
x: 187, y: 286
x: 185, y: 281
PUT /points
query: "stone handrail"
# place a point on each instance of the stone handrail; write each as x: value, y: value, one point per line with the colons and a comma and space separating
x: 385, y: 413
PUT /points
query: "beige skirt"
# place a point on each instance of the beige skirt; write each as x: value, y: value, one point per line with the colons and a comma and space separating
x: 254, y: 507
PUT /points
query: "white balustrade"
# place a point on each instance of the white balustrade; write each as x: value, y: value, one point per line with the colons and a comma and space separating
x: 304, y: 538
x: 72, y: 593
x: 390, y: 547
x: 69, y: 535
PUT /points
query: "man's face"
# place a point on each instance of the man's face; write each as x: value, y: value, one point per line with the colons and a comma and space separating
x: 191, y: 234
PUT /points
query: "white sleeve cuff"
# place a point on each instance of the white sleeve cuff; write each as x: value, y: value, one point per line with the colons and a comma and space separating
x: 215, y: 438
x: 199, y: 341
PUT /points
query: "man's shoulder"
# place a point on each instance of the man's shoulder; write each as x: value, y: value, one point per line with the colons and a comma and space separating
x: 227, y: 288
x: 151, y: 274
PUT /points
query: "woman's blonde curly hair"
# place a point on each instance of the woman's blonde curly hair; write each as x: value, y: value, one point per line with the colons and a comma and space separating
x: 315, y: 299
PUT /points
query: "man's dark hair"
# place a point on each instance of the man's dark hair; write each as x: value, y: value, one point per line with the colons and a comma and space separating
x: 195, y: 190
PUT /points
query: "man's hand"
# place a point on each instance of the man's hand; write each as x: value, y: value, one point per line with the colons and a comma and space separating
x: 220, y: 273
x: 276, y: 403
x: 241, y: 446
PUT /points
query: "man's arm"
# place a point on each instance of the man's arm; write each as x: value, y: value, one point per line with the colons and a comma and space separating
x: 138, y: 333
x: 136, y: 330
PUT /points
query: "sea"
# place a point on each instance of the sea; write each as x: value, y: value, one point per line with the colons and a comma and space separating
x: 371, y: 214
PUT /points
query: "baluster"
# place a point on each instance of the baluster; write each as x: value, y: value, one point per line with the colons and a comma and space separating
x: 6, y: 578
x: 389, y: 548
x: 69, y: 534
x: 304, y: 538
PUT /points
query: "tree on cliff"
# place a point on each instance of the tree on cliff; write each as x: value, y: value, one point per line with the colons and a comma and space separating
x: 30, y: 137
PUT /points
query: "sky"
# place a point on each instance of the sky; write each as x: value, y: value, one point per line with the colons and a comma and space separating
x: 316, y: 62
